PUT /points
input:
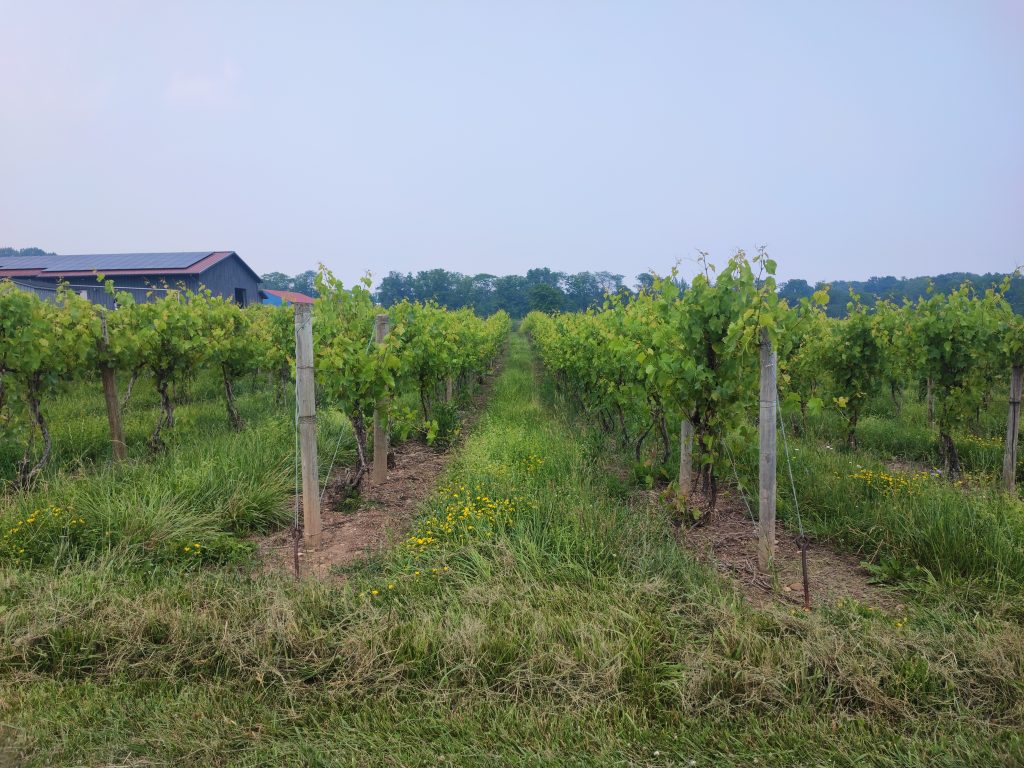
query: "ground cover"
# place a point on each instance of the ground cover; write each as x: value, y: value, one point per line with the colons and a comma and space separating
x: 539, y: 612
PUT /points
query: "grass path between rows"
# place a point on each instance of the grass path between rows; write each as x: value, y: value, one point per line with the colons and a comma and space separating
x: 535, y: 617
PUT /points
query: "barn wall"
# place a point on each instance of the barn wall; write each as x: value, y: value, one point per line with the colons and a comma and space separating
x: 228, y: 274
x: 46, y: 288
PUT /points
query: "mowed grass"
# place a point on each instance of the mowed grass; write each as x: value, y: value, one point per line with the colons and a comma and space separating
x: 565, y: 627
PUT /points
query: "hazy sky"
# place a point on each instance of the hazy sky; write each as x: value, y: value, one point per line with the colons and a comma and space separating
x: 852, y: 138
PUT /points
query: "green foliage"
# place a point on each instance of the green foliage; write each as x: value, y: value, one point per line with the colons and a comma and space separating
x: 546, y: 298
x: 353, y: 372
x: 233, y: 345
x: 957, y: 350
x: 851, y: 355
x: 178, y: 334
x: 443, y: 428
x: 424, y: 347
x: 41, y: 344
x: 669, y: 354
x: 801, y: 376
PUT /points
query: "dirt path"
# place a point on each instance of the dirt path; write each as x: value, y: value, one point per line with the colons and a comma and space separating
x: 385, y: 510
x: 728, y: 542
x: 383, y: 516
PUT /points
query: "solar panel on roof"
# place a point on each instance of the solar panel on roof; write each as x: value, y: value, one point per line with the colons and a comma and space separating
x: 23, y: 262
x: 108, y: 261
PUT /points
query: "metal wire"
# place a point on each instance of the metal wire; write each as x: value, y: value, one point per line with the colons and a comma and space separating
x: 789, y: 464
x: 801, y: 540
x: 93, y: 287
x: 327, y: 480
x: 739, y: 484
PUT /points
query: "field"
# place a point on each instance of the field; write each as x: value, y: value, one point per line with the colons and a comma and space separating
x: 545, y: 607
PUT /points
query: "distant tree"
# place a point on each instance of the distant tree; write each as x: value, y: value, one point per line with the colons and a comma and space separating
x: 302, y: 283
x: 487, y: 293
x: 609, y: 283
x: 794, y: 290
x: 511, y: 295
x: 544, y: 276
x: 480, y: 293
x: 439, y: 285
x: 305, y: 282
x: 644, y: 281
x: 394, y: 288
x: 275, y: 281
x: 8, y: 252
x: 582, y: 291
x: 546, y: 298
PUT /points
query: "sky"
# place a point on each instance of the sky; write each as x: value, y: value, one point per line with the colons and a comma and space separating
x: 851, y: 139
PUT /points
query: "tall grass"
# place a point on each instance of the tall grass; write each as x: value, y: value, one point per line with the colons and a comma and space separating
x: 906, y: 434
x: 954, y: 530
x: 210, y: 486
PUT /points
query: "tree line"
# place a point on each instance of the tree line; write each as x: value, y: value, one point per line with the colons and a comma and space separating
x: 898, y: 289
x: 546, y: 290
x: 539, y: 289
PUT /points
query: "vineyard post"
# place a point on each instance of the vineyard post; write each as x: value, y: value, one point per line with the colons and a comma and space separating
x: 380, y: 427
x: 767, y: 479
x: 1013, y: 429
x: 110, y: 395
x: 306, y: 403
x: 685, y: 459
x: 449, y: 389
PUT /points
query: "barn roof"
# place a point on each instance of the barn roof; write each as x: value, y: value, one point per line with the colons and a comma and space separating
x: 81, y: 265
x: 293, y: 297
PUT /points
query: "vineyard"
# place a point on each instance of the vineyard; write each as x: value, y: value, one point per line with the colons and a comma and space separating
x: 924, y: 386
x: 562, y: 594
x: 196, y: 348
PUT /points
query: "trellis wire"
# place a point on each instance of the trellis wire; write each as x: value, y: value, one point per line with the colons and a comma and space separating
x: 802, y: 538
x: 739, y: 484
x: 295, y: 519
x: 330, y: 469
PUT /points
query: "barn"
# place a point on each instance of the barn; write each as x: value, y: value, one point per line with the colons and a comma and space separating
x: 144, y: 275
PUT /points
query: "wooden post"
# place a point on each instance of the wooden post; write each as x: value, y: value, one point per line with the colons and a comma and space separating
x: 685, y: 459
x: 767, y: 481
x: 305, y: 399
x: 449, y: 390
x: 380, y: 426
x: 930, y: 399
x: 1013, y: 429
x: 110, y: 395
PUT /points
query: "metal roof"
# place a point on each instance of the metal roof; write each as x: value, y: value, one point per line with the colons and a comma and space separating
x: 291, y: 296
x: 176, y: 263
x: 106, y: 261
x: 22, y: 262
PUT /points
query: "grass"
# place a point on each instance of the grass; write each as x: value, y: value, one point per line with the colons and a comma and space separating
x: 907, y: 518
x: 210, y: 487
x: 929, y: 526
x: 906, y: 434
x: 565, y: 627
